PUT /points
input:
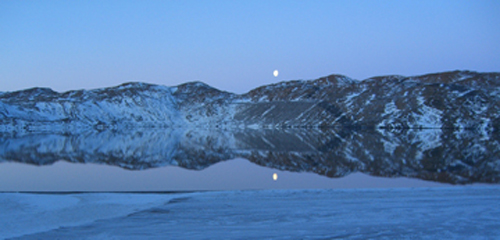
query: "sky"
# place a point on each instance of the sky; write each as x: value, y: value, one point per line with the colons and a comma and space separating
x: 236, y: 45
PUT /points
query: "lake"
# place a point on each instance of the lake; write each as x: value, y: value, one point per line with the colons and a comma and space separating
x: 282, y: 183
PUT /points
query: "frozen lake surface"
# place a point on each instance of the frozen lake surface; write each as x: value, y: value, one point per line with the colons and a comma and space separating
x: 469, y: 212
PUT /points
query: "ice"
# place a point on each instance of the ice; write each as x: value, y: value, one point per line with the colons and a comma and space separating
x: 409, y: 213
x: 22, y: 214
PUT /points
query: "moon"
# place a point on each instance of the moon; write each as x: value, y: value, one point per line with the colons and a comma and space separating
x: 275, y: 176
x: 275, y: 73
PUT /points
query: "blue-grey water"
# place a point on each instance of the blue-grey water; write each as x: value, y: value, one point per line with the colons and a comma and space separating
x: 234, y: 174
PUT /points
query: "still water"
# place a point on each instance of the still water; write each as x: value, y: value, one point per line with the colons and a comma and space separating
x: 236, y: 174
x: 199, y: 159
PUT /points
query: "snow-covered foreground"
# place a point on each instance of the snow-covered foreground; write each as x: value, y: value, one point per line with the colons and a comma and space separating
x: 410, y: 213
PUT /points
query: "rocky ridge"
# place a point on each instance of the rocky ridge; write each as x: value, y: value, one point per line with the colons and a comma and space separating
x: 450, y: 100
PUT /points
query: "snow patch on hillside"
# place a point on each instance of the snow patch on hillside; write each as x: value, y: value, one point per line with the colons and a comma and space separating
x: 429, y: 117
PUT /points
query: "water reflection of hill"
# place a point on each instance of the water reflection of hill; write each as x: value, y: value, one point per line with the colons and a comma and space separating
x: 436, y: 155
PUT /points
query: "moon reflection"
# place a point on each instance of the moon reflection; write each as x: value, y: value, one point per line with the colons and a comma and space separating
x: 275, y: 176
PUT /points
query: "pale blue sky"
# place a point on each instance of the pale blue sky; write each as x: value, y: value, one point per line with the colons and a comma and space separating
x: 236, y: 45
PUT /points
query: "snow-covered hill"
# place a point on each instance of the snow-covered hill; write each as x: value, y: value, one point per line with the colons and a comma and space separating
x: 458, y: 100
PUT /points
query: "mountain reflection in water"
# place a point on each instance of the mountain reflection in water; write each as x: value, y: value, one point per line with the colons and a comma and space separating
x: 448, y: 156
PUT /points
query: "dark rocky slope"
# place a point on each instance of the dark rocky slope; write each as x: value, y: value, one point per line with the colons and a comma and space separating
x: 457, y: 100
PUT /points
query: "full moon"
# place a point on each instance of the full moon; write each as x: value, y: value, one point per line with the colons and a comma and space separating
x: 275, y: 176
x: 275, y: 73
